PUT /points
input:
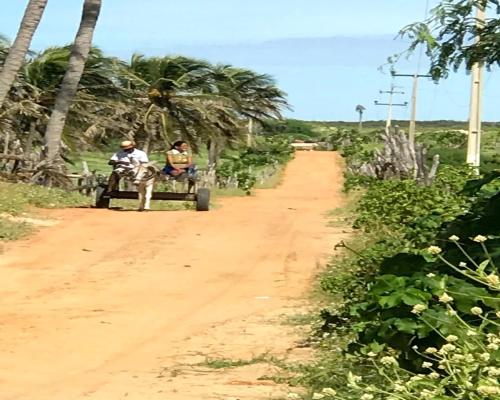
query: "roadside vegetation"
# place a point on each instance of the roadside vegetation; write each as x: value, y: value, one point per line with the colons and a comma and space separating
x: 413, y: 305
x: 18, y: 201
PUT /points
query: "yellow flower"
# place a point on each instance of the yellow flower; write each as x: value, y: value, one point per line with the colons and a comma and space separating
x: 426, y: 364
x: 418, y: 308
x: 476, y: 310
x: 454, y: 238
x: 388, y: 360
x: 329, y: 392
x: 493, y: 280
x: 451, y: 338
x: 445, y: 298
x: 434, y: 250
x: 431, y: 350
x: 446, y: 348
x: 488, y: 390
x: 480, y: 239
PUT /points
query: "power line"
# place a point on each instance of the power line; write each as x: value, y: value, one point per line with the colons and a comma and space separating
x: 413, y: 116
x: 390, y: 104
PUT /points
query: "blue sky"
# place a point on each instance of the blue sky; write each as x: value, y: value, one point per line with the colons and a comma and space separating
x: 324, y: 53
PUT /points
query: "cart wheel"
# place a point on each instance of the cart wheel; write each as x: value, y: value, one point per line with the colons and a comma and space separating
x: 202, y: 199
x: 101, y: 199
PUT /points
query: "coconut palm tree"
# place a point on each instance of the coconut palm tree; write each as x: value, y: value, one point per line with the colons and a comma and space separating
x: 360, y: 109
x: 79, y: 54
x: 97, y: 102
x: 18, y: 50
x: 181, y: 100
x: 255, y: 97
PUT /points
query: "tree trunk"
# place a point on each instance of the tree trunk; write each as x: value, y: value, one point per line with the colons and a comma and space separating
x: 360, y: 127
x: 250, y: 133
x: 213, y: 153
x: 20, y: 47
x: 69, y: 86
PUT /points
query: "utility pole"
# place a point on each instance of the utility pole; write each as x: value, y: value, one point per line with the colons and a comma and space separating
x: 390, y: 104
x: 413, y: 116
x: 474, y: 136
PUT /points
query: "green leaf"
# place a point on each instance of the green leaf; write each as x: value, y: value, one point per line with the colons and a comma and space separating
x: 414, y: 296
x: 483, y: 266
x: 390, y: 301
x: 407, y: 325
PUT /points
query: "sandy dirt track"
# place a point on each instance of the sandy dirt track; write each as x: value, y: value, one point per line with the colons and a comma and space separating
x: 107, y: 305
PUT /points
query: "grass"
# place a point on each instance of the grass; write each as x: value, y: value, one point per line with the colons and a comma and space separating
x: 10, y: 230
x: 18, y: 198
x: 226, y: 363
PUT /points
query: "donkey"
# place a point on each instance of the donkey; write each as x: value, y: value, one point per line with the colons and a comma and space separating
x: 143, y: 176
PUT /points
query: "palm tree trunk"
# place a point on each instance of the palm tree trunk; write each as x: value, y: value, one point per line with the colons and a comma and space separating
x: 360, y: 127
x: 69, y: 86
x: 213, y: 153
x: 20, y: 47
x: 250, y: 133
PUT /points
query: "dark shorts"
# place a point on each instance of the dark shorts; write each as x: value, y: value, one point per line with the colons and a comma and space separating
x: 167, y: 169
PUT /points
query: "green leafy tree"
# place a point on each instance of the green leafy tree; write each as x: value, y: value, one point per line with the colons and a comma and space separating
x: 449, y: 35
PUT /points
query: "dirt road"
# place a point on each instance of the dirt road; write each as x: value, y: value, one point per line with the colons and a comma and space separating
x: 105, y: 304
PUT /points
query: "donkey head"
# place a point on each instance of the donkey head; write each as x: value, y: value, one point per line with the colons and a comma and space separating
x: 143, y: 172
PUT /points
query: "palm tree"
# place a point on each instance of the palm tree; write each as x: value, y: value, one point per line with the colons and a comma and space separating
x: 180, y: 100
x: 255, y: 96
x: 360, y: 109
x: 79, y: 54
x: 20, y: 47
x: 98, y: 99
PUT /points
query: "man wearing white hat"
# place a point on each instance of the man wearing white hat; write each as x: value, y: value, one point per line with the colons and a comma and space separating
x: 122, y: 161
x: 127, y: 153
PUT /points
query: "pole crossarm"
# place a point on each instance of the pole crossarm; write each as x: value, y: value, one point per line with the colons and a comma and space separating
x: 413, y: 117
x: 391, y: 104
x: 413, y: 75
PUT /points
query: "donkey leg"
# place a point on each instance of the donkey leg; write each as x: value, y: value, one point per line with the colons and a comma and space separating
x: 148, y: 194
x: 142, y: 198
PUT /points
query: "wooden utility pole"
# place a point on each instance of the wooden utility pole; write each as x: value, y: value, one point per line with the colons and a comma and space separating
x: 390, y: 104
x: 474, y: 136
x: 413, y: 116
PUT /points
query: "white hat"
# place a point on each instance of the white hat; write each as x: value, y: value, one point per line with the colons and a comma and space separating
x: 127, y: 144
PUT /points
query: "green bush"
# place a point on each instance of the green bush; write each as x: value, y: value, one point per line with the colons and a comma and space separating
x: 268, y: 151
x: 412, y: 212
